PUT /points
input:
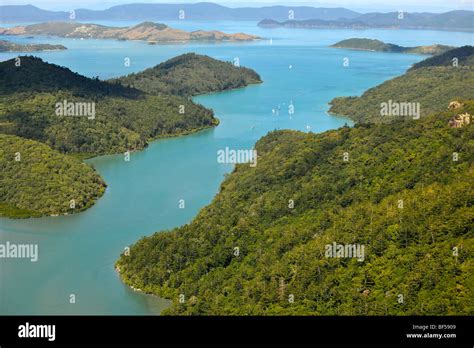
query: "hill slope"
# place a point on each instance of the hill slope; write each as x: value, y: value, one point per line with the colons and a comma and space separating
x: 36, y: 180
x: 32, y: 74
x: 464, y: 56
x: 431, y: 84
x: 399, y: 195
x: 78, y: 115
x: 190, y: 74
x: 125, y: 118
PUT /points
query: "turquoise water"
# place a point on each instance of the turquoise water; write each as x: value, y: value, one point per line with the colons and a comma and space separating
x: 77, y: 252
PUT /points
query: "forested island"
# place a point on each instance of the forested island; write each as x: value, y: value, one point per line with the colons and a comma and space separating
x: 400, y: 189
x: 7, y: 46
x: 148, y: 31
x: 75, y: 115
x: 432, y: 83
x: 380, y: 46
x: 190, y: 74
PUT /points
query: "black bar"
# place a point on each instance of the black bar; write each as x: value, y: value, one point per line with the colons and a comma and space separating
x: 141, y: 330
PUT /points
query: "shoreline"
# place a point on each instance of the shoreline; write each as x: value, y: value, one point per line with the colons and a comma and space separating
x: 142, y: 292
x: 84, y: 157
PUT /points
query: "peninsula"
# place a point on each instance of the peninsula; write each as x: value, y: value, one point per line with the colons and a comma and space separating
x: 51, y: 118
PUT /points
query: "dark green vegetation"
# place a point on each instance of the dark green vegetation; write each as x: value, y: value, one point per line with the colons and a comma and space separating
x: 400, y: 189
x: 408, y: 251
x: 7, y: 46
x: 453, y: 20
x: 433, y: 84
x: 114, y: 119
x: 464, y: 56
x: 36, y: 180
x: 125, y: 119
x: 191, y: 74
x: 380, y: 46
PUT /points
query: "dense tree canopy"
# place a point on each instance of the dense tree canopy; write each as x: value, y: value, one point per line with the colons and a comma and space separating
x: 36, y: 180
x: 123, y: 119
x: 402, y: 190
x: 464, y: 56
x: 408, y: 245
x: 191, y: 74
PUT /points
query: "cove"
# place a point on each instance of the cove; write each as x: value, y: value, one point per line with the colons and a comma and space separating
x: 76, y: 253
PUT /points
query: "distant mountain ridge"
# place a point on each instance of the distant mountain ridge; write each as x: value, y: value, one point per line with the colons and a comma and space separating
x: 269, y: 16
x: 454, y: 20
x: 198, y: 11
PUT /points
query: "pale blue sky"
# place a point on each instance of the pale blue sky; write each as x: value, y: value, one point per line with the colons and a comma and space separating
x: 361, y: 5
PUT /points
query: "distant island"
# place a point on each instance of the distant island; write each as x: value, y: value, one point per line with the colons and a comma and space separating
x: 380, y: 46
x: 7, y: 46
x: 330, y: 17
x: 147, y: 31
x: 453, y: 20
x: 51, y: 118
x: 313, y: 24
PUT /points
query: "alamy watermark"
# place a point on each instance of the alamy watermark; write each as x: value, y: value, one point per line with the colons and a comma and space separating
x: 392, y: 108
x: 66, y: 108
x: 19, y: 251
x: 230, y: 156
x: 345, y: 251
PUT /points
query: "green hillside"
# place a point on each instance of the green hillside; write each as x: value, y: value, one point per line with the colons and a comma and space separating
x: 32, y: 74
x: 36, y: 180
x: 125, y: 119
x: 191, y: 74
x: 84, y: 117
x: 402, y: 195
x: 464, y: 56
x: 432, y: 85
